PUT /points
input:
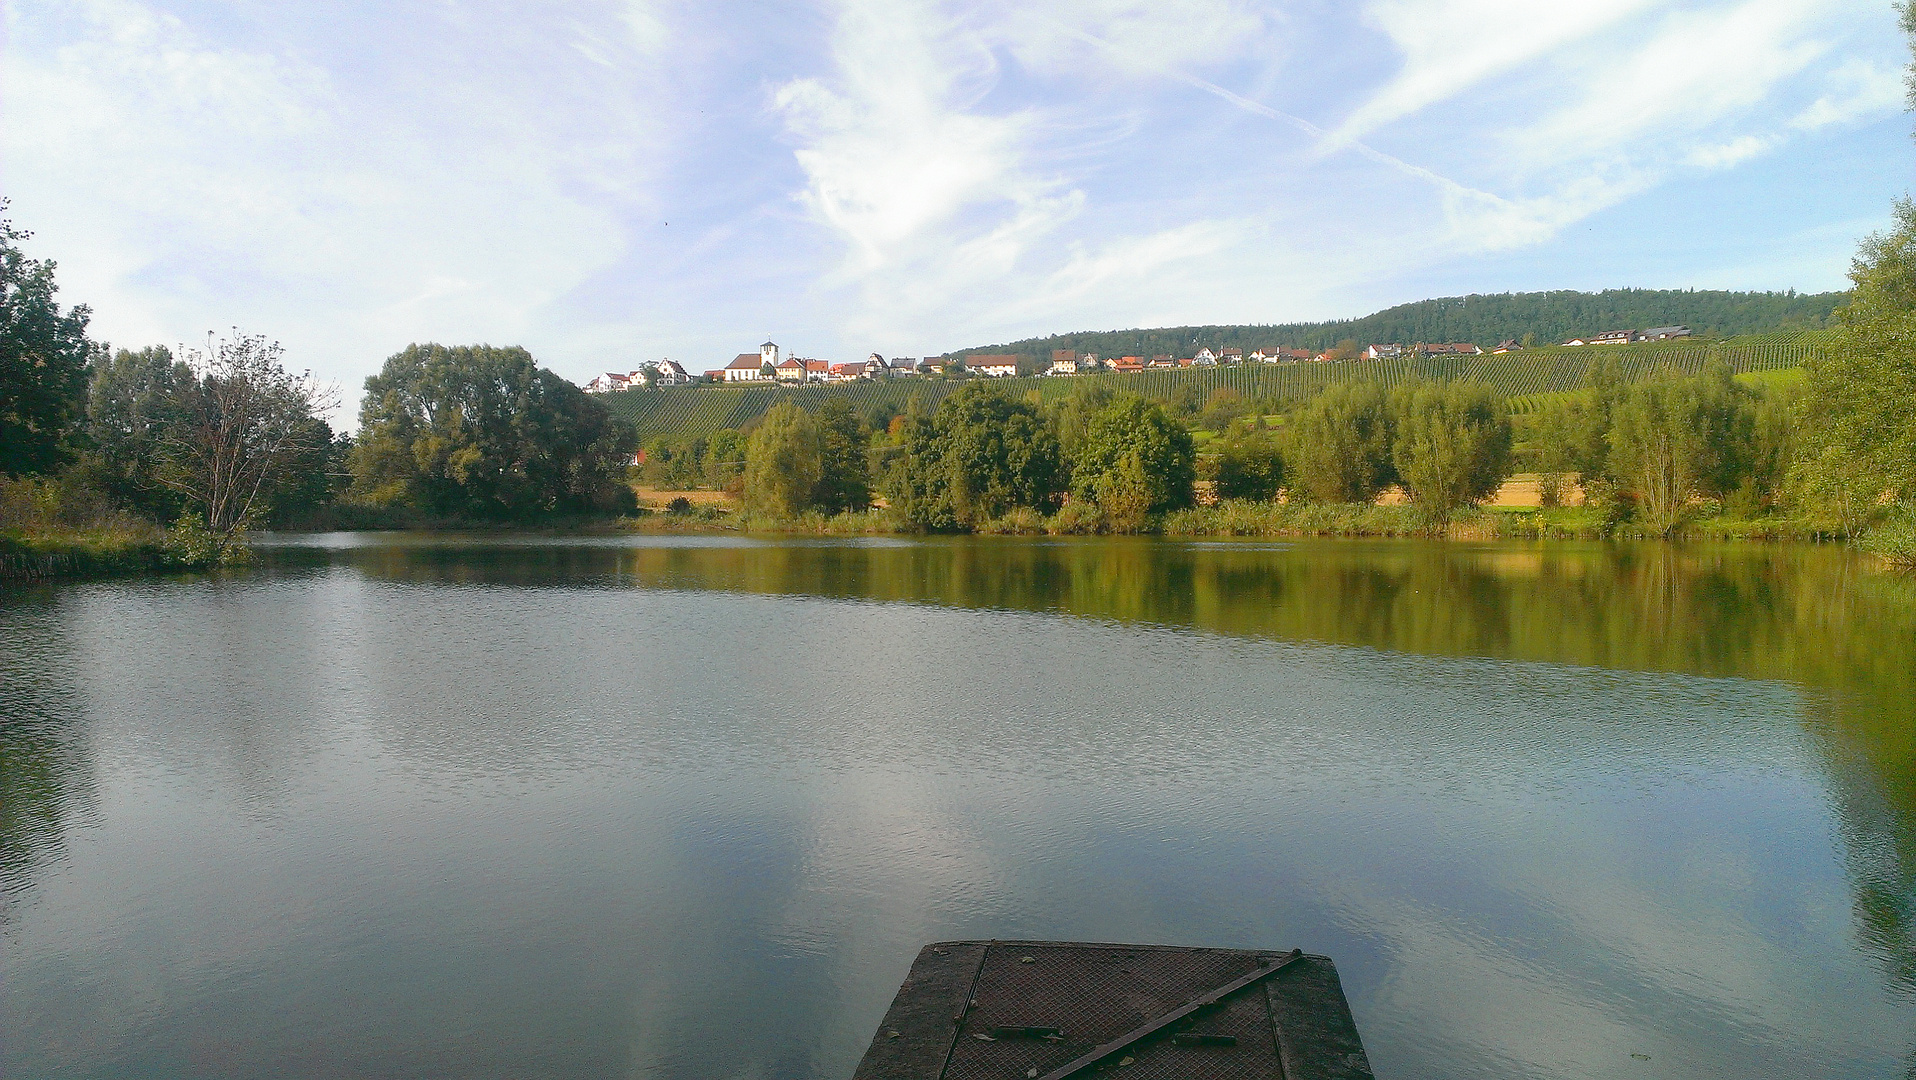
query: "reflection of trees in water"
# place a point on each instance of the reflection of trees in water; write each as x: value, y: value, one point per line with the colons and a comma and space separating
x: 46, y: 775
x: 1815, y: 616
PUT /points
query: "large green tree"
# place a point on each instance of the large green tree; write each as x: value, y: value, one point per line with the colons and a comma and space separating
x: 1452, y: 445
x: 484, y: 432
x: 1134, y: 461
x: 1672, y: 439
x: 133, y: 400
x: 1248, y: 463
x: 844, y: 481
x: 1863, y: 395
x: 784, y: 462
x: 1339, y: 445
x: 981, y: 454
x: 43, y: 360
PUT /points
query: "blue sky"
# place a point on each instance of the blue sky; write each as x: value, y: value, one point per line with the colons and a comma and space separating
x: 610, y: 182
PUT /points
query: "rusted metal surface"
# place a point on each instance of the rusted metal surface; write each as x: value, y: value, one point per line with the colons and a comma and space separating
x: 1006, y: 1010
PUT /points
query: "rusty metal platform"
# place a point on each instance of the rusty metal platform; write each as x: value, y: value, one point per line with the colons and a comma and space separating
x: 1048, y: 1010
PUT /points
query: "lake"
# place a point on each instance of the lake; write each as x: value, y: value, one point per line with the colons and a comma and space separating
x: 471, y: 806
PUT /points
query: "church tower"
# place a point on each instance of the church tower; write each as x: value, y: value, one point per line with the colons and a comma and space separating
x: 768, y: 353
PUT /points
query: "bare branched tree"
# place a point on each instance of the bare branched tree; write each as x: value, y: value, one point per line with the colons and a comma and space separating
x: 247, y: 421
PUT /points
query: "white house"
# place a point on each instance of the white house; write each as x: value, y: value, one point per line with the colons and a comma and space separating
x: 994, y: 367
x: 1614, y: 337
x: 608, y: 382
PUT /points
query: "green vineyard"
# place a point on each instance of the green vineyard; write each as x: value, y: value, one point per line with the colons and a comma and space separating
x: 697, y: 410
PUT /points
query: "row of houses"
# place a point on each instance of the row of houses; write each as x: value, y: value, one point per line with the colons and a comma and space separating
x: 1626, y: 337
x: 770, y: 364
x: 650, y: 373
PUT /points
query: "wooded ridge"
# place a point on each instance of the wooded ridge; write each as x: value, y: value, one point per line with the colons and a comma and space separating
x: 1482, y: 318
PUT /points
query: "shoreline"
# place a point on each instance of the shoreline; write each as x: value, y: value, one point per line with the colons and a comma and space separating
x: 29, y: 560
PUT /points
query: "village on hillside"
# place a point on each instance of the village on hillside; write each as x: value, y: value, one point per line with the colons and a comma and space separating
x: 771, y: 365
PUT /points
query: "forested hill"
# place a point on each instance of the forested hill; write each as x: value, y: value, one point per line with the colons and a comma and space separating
x: 1485, y: 320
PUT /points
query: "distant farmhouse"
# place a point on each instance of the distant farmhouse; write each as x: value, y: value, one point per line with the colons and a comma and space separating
x: 650, y: 373
x: 1627, y: 337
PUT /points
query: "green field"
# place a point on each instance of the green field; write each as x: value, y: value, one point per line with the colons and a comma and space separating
x: 1521, y: 376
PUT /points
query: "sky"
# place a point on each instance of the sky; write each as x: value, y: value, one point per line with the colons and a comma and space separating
x: 617, y: 181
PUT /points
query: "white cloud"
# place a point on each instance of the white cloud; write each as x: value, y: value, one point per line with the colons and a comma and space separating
x: 1449, y: 46
x: 1138, y: 37
x: 1728, y: 154
x: 187, y: 181
x: 928, y: 192
x: 1698, y: 69
x: 1858, y: 90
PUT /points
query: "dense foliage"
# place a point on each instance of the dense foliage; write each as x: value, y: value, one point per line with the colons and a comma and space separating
x: 1133, y: 461
x: 1339, y: 450
x: 43, y: 358
x: 1863, y: 397
x: 1246, y: 463
x: 981, y: 454
x: 1451, y: 446
x: 784, y: 463
x: 484, y: 432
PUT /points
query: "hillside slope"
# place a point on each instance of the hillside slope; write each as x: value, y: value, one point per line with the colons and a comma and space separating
x: 700, y: 410
x: 1482, y: 319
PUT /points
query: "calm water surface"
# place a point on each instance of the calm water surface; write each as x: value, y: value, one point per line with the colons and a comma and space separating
x: 686, y: 807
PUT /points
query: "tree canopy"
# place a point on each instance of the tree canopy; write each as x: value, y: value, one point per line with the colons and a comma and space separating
x: 1863, y: 396
x: 981, y: 454
x: 1452, y: 445
x: 1339, y: 445
x: 43, y: 358
x: 1133, y: 461
x: 485, y: 432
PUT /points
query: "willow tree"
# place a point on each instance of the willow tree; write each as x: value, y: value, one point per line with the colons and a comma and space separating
x: 784, y: 462
x: 1862, y: 404
x: 1339, y: 445
x: 1452, y: 446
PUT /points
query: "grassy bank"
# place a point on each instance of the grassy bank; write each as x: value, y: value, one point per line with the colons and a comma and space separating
x: 52, y: 530
x: 26, y: 557
x: 1893, y: 541
x: 1499, y: 523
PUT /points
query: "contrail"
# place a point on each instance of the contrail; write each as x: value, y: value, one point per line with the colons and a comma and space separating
x: 1297, y: 122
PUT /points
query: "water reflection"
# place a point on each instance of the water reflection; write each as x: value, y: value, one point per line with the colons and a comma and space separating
x: 46, y: 772
x: 1815, y: 616
x: 650, y: 807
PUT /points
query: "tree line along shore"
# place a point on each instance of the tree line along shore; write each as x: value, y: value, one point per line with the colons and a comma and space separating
x: 124, y: 459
